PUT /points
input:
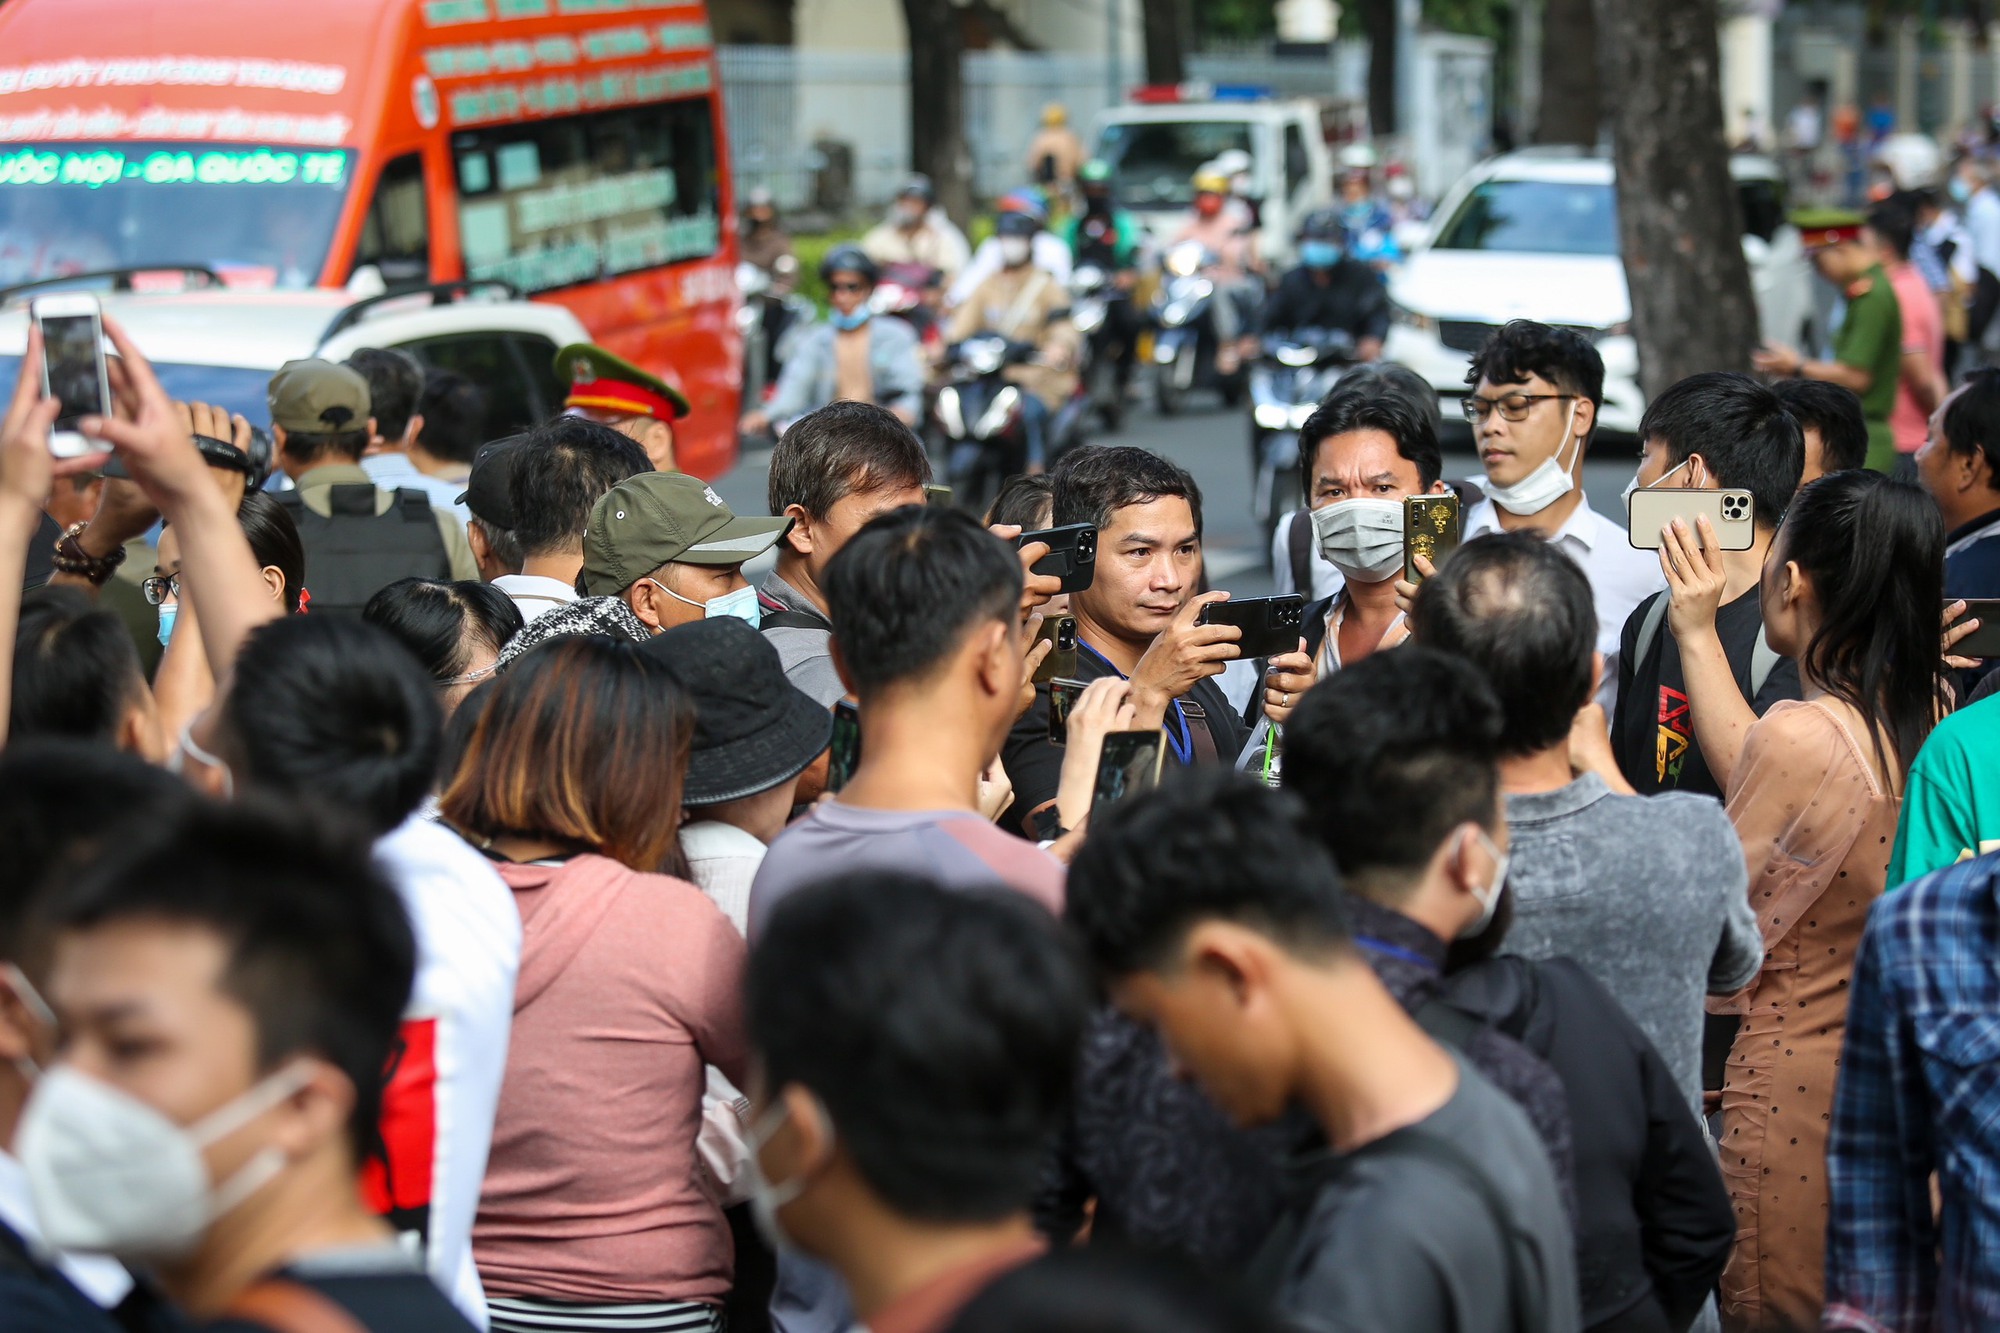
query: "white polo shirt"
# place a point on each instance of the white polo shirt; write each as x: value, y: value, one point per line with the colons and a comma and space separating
x: 533, y: 594
x: 1620, y: 576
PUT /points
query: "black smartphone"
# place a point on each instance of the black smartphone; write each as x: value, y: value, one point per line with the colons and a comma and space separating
x: 1270, y: 625
x: 1130, y: 763
x: 1061, y: 661
x: 1063, y: 695
x: 1984, y: 641
x: 1072, y: 554
x: 844, y: 753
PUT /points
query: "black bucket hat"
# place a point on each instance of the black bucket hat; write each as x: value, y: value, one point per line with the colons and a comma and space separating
x: 753, y: 728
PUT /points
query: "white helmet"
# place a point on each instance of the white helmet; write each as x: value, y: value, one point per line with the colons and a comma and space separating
x: 1232, y: 162
x: 1357, y: 157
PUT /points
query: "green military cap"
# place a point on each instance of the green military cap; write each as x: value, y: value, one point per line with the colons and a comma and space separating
x: 657, y: 518
x: 1827, y: 226
x: 606, y: 383
x: 315, y: 397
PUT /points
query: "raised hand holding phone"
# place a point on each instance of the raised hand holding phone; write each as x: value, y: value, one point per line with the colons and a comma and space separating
x: 1104, y: 706
x: 1184, y: 654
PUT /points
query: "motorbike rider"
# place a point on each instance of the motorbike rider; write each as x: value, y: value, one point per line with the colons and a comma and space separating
x: 766, y: 245
x: 1330, y: 289
x: 1371, y: 228
x: 1237, y: 166
x: 1025, y: 303
x: 1048, y: 251
x: 1220, y: 231
x: 918, y: 232
x: 855, y: 355
x: 1108, y: 237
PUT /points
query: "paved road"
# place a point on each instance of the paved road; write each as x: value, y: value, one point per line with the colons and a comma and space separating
x: 1211, y: 445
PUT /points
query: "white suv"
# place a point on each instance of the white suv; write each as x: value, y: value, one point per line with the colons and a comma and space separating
x: 214, y: 345
x: 1534, y: 235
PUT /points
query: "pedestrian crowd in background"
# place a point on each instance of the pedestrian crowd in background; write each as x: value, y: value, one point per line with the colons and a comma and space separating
x: 495, y: 911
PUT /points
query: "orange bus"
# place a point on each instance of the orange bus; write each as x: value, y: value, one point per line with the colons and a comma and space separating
x: 571, y: 148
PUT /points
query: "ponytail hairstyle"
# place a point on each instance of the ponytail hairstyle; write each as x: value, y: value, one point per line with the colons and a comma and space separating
x: 1874, y: 550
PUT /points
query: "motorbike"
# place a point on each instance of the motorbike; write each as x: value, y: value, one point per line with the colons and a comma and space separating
x: 1184, y: 350
x: 770, y: 325
x: 1293, y: 374
x: 1096, y: 304
x: 976, y: 417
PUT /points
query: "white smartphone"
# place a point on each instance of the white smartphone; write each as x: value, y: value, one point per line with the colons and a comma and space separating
x: 73, y: 368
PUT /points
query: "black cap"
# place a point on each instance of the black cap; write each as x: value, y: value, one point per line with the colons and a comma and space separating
x: 753, y: 728
x: 489, y: 491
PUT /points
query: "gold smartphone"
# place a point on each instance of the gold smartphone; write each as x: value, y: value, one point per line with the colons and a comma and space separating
x: 1732, y: 513
x: 1430, y: 530
x: 1061, y: 660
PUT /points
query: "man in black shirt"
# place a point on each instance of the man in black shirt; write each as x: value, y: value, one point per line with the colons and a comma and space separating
x: 1710, y: 430
x: 1135, y: 620
x: 1329, y: 291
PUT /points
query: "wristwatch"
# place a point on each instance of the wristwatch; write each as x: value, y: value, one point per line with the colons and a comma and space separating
x: 1048, y: 824
x: 71, y: 558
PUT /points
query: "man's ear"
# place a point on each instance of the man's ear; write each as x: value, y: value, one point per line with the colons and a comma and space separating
x: 1689, y: 482
x: 475, y: 537
x: 1230, y: 956
x: 413, y: 429
x: 800, y: 537
x: 999, y: 665
x: 643, y: 598
x: 315, y: 1113
x: 1586, y: 417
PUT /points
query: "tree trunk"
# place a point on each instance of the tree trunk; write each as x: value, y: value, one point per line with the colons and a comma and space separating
x: 937, y: 103
x: 1378, y: 18
x: 1571, y: 111
x: 1166, y: 29
x: 1679, y: 224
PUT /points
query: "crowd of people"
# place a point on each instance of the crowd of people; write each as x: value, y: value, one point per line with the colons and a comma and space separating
x: 464, y: 923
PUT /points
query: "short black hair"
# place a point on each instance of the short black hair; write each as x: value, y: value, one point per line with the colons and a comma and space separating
x: 1101, y: 1288
x: 1741, y: 430
x: 321, y: 953
x: 439, y: 620
x: 334, y: 711
x: 1207, y: 843
x: 1894, y: 222
x: 1973, y: 419
x: 1026, y: 502
x: 1371, y: 404
x: 63, y: 802
x: 1390, y: 755
x: 842, y: 449
x: 562, y: 468
x: 940, y: 1030
x: 274, y: 539
x: 311, y: 446
x: 907, y: 588
x: 454, y: 412
x: 76, y: 669
x: 1388, y: 377
x: 1521, y: 612
x: 1095, y: 481
x: 1522, y: 347
x: 1834, y: 410
x: 395, y: 383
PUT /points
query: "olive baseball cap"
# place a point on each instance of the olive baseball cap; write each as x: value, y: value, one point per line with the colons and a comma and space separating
x: 657, y: 518
x: 316, y: 397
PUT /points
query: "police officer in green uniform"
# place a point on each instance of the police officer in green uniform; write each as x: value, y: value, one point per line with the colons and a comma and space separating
x: 1868, y: 344
x: 612, y: 390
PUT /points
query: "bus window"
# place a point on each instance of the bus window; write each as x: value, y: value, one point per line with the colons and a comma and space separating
x: 555, y: 203
x: 396, y: 233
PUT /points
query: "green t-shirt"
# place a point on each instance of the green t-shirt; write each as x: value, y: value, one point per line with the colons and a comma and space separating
x: 1951, y: 803
x: 1870, y: 338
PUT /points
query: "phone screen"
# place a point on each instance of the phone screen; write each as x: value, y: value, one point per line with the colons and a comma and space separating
x: 1130, y: 763
x: 1983, y: 642
x: 844, y: 753
x: 72, y: 346
x: 1063, y: 695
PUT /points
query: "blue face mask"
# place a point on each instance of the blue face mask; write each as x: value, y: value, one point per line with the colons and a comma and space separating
x: 1958, y: 189
x: 1319, y: 254
x: 742, y: 604
x: 167, y: 614
x: 848, y: 323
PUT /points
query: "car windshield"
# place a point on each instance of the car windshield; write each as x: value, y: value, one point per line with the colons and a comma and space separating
x: 1153, y: 162
x: 1535, y: 217
x: 261, y: 217
x: 234, y: 387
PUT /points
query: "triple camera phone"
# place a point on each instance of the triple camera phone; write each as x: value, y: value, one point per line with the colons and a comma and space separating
x: 73, y: 370
x: 1270, y: 625
x: 1731, y: 513
x: 1061, y: 661
x: 1072, y: 554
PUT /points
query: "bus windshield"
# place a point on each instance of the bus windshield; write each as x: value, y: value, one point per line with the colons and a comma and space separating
x: 1153, y: 162
x: 260, y: 217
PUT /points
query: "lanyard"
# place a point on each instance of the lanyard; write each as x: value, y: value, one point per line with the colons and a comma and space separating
x: 1395, y: 951
x: 1182, y: 745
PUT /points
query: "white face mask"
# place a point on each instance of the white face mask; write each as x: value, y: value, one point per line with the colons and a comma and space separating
x: 1548, y: 483
x: 111, y: 1175
x: 1362, y: 538
x: 188, y: 748
x: 1489, y: 899
x: 742, y: 603
x: 1014, y: 250
x: 765, y: 1198
x: 1633, y: 485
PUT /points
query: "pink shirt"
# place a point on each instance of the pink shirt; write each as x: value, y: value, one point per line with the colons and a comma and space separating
x: 629, y: 984
x: 1923, y: 331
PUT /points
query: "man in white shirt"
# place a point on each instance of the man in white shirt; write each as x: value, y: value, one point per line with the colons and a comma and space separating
x: 1535, y: 395
x: 539, y: 488
x: 1047, y: 251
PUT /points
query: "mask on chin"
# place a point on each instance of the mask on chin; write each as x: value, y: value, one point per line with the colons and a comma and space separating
x: 1549, y: 482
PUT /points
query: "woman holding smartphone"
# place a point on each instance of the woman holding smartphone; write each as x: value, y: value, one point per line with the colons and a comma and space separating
x: 1850, y: 592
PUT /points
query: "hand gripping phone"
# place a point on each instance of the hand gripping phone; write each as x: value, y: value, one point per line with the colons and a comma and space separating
x: 1072, y: 554
x: 73, y: 368
x: 1270, y: 625
x: 844, y: 752
x: 1130, y: 763
x: 1061, y: 661
x: 1430, y: 530
x: 1984, y: 641
x: 1732, y: 513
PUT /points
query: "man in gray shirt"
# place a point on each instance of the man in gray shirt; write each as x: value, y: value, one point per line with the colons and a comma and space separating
x: 1649, y: 893
x: 1427, y: 1203
x: 832, y: 472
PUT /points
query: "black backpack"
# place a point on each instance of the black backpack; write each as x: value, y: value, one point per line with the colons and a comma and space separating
x: 353, y: 552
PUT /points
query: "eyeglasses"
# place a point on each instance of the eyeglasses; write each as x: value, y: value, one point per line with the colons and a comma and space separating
x: 847, y: 287
x: 1513, y: 407
x: 160, y: 587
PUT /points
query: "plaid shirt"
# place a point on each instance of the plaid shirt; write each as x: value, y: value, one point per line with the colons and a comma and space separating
x: 1919, y: 1091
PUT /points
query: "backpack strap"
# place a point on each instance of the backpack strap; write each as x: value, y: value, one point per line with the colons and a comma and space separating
x: 790, y: 619
x: 287, y: 1306
x: 415, y: 505
x: 1649, y: 628
x: 1298, y: 545
x: 1447, y: 1023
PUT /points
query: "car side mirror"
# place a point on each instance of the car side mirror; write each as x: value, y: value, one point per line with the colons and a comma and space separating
x: 1411, y: 235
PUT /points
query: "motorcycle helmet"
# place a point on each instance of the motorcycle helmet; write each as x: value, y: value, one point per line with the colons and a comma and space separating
x: 1027, y: 203
x: 1094, y: 172
x: 1016, y: 224
x: 1210, y: 181
x: 1357, y: 157
x: 848, y: 259
x: 1321, y: 238
x: 917, y: 186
